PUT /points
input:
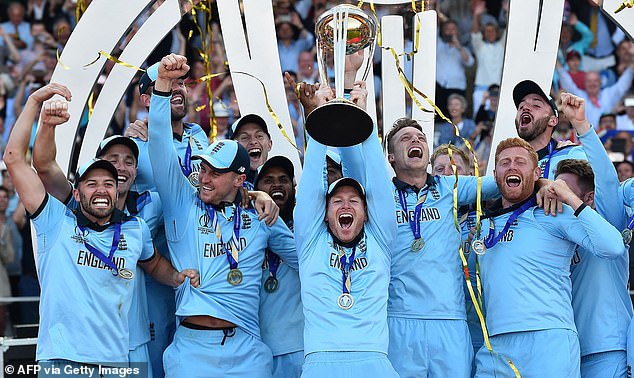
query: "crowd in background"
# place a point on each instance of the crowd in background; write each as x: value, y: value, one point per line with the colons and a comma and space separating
x: 594, y: 61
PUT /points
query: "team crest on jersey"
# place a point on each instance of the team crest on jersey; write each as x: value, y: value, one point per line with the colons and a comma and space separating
x: 79, y: 235
x: 123, y: 244
x: 204, y: 222
x: 193, y: 179
x: 246, y: 221
x: 434, y: 192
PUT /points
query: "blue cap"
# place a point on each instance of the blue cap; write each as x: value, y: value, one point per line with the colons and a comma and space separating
x: 118, y: 139
x: 276, y: 161
x: 526, y: 87
x: 345, y: 181
x: 226, y: 156
x: 94, y: 164
x: 249, y: 118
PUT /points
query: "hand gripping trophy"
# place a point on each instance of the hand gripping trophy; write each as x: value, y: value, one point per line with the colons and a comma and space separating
x: 342, y: 34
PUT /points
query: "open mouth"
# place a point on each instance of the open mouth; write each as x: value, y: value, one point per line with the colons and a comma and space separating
x: 277, y: 195
x: 345, y: 220
x: 525, y: 119
x: 122, y: 179
x: 204, y: 188
x: 415, y: 152
x: 177, y: 99
x: 101, y: 203
x: 255, y: 153
x: 513, y: 181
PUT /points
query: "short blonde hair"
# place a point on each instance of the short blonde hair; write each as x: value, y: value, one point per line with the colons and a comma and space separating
x: 443, y: 149
x: 516, y: 142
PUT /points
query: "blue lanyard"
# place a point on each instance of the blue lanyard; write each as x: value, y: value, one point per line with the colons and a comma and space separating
x: 187, y: 167
x: 490, y: 241
x: 273, y: 261
x: 233, y: 263
x: 414, y: 224
x: 100, y: 255
x: 630, y: 223
x: 345, y: 268
x: 551, y: 149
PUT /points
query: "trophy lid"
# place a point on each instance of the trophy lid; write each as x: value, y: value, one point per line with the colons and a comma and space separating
x: 361, y: 30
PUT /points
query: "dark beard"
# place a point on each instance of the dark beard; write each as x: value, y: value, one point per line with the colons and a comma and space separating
x: 539, y: 127
x: 99, y: 214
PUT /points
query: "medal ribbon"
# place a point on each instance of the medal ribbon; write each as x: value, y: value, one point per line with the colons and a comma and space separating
x: 630, y: 223
x: 273, y: 261
x: 233, y: 256
x: 490, y: 241
x: 414, y: 224
x: 187, y: 167
x: 100, y: 255
x: 345, y: 269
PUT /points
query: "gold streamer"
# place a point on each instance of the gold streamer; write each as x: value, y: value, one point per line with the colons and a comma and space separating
x: 60, y: 61
x: 90, y: 104
x: 115, y: 60
x: 271, y: 112
x: 80, y: 8
x: 625, y: 4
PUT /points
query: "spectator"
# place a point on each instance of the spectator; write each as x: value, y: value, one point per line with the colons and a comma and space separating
x: 451, y: 59
x: 607, y: 121
x: 489, y: 107
x: 488, y: 46
x: 573, y: 62
x: 17, y: 28
x: 620, y: 146
x: 7, y: 256
x: 222, y: 113
x: 307, y: 69
x: 292, y: 39
x: 598, y: 100
x: 626, y: 121
x: 44, y: 11
x: 457, y: 105
x: 625, y: 170
x: 624, y: 54
x: 567, y: 43
x: 8, y: 51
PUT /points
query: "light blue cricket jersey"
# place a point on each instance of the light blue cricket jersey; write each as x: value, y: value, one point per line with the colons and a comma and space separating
x: 83, y: 306
x: 193, y: 243
x: 193, y: 135
x: 281, y: 316
x: 555, y: 155
x: 600, y: 298
x: 147, y: 206
x: 468, y: 221
x: 526, y: 275
x: 363, y: 327
x: 429, y: 284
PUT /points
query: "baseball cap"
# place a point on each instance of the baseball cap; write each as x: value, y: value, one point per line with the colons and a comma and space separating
x: 249, y: 118
x: 276, y: 161
x: 345, y: 181
x: 94, y: 164
x: 526, y: 87
x: 118, y: 139
x: 226, y: 156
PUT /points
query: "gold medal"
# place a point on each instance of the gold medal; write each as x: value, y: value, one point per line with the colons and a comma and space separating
x: 478, y: 247
x: 126, y: 273
x: 345, y: 301
x: 627, y: 236
x: 271, y: 284
x: 417, y: 244
x: 234, y: 277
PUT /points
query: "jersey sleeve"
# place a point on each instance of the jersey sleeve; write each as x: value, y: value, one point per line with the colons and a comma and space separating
x: 282, y: 243
x: 366, y: 164
x: 46, y: 221
x: 606, y: 180
x: 170, y: 182
x: 310, y: 208
x: 589, y: 230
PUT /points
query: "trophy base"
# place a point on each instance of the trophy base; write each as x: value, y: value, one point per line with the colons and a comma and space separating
x: 339, y: 123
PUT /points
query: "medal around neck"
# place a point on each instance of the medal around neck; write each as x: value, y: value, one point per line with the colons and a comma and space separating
x: 126, y: 274
x: 478, y: 247
x: 417, y: 244
x: 234, y: 277
x: 345, y: 301
x: 627, y: 236
x: 271, y: 284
